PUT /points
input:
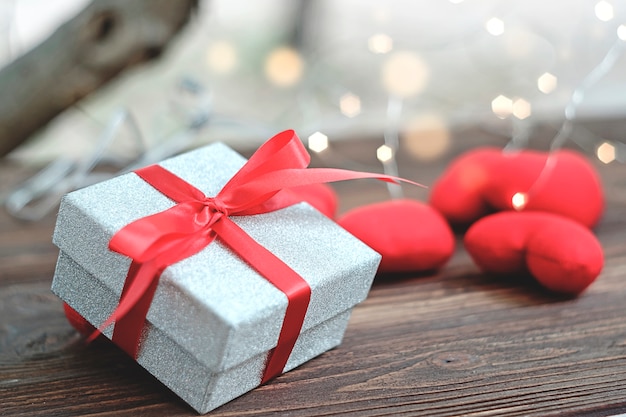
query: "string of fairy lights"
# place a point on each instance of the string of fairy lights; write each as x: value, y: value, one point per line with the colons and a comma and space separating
x: 503, y: 107
x: 404, y: 75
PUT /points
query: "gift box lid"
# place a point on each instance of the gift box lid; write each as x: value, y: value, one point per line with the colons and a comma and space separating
x: 213, y: 303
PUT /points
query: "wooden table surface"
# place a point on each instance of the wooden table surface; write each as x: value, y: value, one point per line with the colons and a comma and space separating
x: 455, y: 343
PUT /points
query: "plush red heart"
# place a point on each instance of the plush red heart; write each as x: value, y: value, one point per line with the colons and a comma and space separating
x: 321, y: 196
x: 561, y: 254
x: 485, y: 180
x: 77, y: 321
x: 410, y: 235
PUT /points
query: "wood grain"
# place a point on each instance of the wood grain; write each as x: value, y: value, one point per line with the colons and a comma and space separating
x: 455, y: 343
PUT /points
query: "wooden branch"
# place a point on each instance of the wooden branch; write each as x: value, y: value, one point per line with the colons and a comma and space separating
x: 103, y: 40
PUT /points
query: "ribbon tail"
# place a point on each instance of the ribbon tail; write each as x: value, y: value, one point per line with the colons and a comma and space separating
x: 284, y: 278
x: 264, y: 187
x: 131, y: 321
x: 294, y: 177
x: 137, y: 294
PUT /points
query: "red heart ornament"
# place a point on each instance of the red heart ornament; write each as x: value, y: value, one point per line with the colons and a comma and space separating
x: 561, y: 254
x: 77, y: 321
x: 485, y: 180
x: 321, y: 196
x: 410, y: 235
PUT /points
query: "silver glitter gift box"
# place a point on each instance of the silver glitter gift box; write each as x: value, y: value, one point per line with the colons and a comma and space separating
x: 213, y: 318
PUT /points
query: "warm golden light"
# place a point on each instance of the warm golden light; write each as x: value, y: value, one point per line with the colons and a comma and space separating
x: 284, y: 67
x: 606, y: 152
x: 426, y: 137
x: 519, y: 201
x: 495, y: 26
x: 502, y: 106
x: 221, y: 57
x: 318, y: 142
x: 547, y: 83
x: 350, y: 105
x: 380, y: 43
x: 384, y: 153
x: 521, y: 109
x: 604, y: 11
x: 404, y: 74
x: 621, y: 32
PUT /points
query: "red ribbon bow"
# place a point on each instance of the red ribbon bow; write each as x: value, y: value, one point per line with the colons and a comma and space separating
x: 165, y: 238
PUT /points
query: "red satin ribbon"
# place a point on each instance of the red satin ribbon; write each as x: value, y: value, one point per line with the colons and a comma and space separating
x: 165, y: 238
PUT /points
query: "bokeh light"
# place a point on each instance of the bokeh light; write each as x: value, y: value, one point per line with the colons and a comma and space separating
x: 604, y: 11
x: 621, y: 32
x: 404, y: 74
x: 426, y: 137
x: 350, y: 105
x: 606, y: 152
x: 519, y: 201
x: 318, y: 142
x: 547, y: 83
x: 521, y: 109
x: 284, y: 67
x: 384, y: 153
x: 380, y: 43
x: 221, y: 57
x: 502, y: 106
x: 495, y: 26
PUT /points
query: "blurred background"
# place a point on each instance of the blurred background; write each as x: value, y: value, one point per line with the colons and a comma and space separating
x: 407, y: 72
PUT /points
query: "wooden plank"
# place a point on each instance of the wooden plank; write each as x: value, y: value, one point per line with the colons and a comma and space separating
x: 455, y: 343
